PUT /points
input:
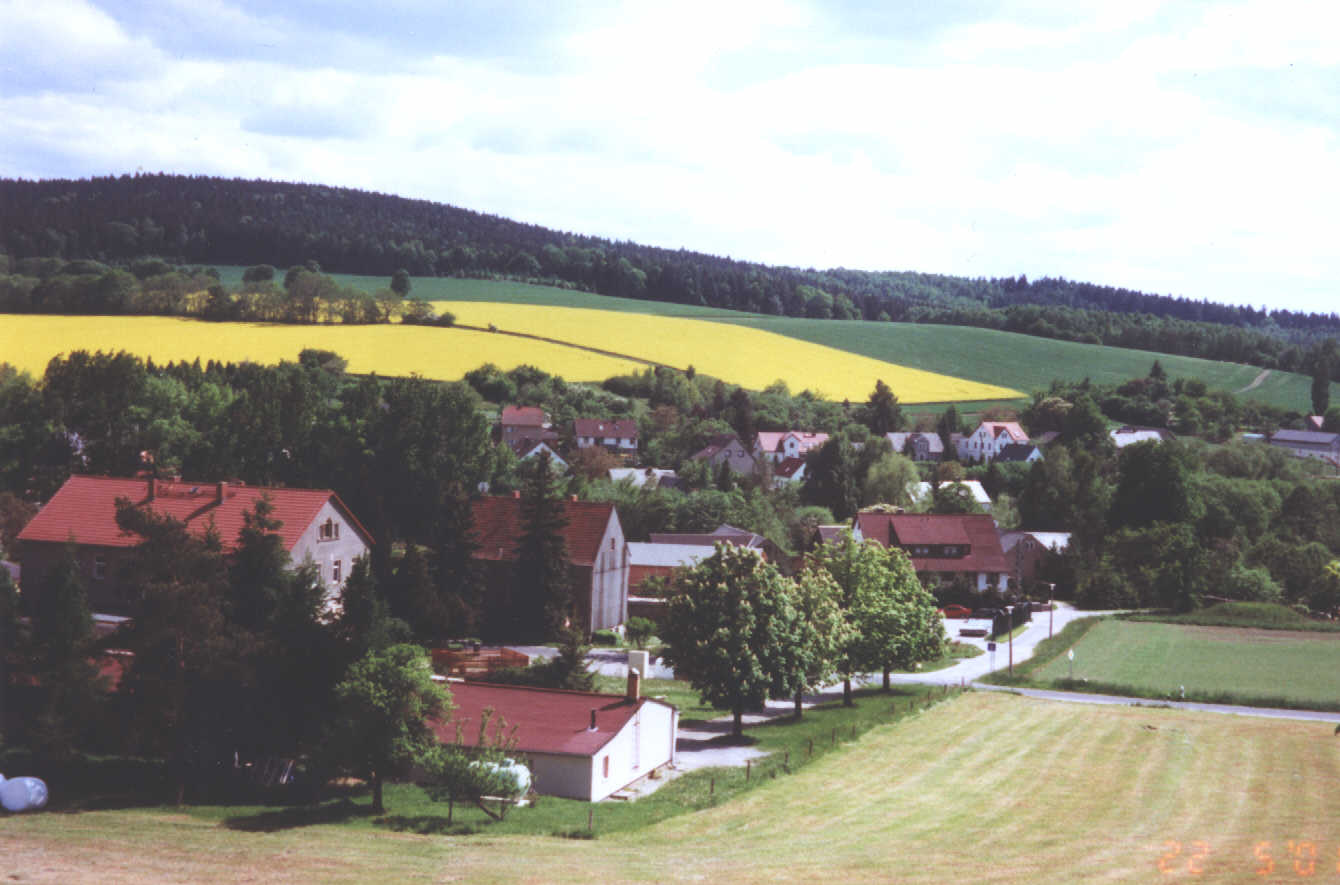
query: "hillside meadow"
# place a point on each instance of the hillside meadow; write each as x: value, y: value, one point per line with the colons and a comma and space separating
x: 1021, y: 362
x: 988, y: 788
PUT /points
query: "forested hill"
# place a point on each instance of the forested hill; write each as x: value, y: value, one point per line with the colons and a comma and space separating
x: 203, y: 220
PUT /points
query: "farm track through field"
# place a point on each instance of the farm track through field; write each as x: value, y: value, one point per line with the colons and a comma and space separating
x: 1256, y: 382
x: 562, y: 343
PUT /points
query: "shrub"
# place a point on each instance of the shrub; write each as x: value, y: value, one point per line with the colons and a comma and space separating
x: 605, y: 637
x: 639, y: 630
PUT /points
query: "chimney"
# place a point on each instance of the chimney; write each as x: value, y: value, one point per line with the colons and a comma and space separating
x: 219, y: 492
x: 151, y: 489
x: 516, y: 493
x: 634, y: 685
x: 572, y: 497
x: 593, y: 720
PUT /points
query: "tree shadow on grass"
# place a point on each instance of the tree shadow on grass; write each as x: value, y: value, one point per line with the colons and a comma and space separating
x: 339, y: 811
x: 429, y: 825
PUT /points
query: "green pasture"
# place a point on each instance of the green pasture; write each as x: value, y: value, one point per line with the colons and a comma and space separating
x: 1023, y: 362
x: 988, y: 788
x: 1220, y: 664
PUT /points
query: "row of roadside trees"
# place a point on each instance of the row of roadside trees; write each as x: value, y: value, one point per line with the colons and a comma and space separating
x: 741, y: 632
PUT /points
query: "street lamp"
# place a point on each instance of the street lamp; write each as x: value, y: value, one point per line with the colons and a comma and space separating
x: 1010, y: 610
x: 1051, y: 608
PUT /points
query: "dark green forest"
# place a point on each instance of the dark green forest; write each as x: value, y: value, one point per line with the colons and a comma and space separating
x: 198, y: 220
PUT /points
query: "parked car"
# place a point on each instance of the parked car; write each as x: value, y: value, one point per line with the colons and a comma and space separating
x: 987, y: 614
x: 956, y: 611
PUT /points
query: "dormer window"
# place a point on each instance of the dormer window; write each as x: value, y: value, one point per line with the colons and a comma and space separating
x: 328, y: 531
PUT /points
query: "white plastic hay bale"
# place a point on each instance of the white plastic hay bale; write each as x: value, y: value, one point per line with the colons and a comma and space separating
x: 519, y: 775
x: 23, y: 794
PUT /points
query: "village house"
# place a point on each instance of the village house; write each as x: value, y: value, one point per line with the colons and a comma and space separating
x: 917, y: 446
x: 1019, y: 453
x: 727, y: 534
x: 1032, y: 554
x: 779, y: 445
x: 597, y: 559
x: 535, y: 449
x: 1129, y: 434
x: 651, y: 477
x: 920, y: 492
x: 521, y: 427
x: 316, y: 527
x: 618, y: 436
x: 726, y: 448
x: 579, y: 745
x: 943, y: 547
x: 1308, y: 444
x: 984, y: 443
x: 791, y: 470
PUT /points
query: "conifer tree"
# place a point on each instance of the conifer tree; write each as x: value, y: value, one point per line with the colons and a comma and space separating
x: 544, y: 590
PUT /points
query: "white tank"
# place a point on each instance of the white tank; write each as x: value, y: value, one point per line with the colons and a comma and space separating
x: 638, y: 660
x: 23, y: 794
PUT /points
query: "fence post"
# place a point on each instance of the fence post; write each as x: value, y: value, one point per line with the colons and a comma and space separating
x: 748, y: 768
x: 810, y: 749
x: 833, y: 742
x: 712, y: 787
x: 590, y: 819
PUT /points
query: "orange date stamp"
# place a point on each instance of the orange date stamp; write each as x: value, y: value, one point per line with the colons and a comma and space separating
x: 1283, y: 859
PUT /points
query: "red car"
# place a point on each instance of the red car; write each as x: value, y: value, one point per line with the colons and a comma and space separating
x: 956, y: 611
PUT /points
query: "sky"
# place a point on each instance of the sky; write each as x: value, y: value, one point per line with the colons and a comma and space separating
x: 1179, y: 148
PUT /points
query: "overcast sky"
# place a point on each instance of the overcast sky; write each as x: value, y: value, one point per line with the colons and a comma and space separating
x: 1188, y: 149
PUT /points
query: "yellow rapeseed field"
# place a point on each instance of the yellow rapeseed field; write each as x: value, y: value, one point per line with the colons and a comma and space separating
x: 750, y: 357
x: 30, y: 341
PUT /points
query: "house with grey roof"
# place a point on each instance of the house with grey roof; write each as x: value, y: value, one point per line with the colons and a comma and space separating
x: 1308, y: 444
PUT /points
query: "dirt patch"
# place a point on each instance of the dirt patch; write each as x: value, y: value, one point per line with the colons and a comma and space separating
x: 1257, y: 635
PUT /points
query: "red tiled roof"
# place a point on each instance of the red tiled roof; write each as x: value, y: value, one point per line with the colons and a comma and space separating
x: 85, y: 508
x: 546, y: 720
x: 497, y: 524
x: 976, y: 530
x: 623, y: 428
x: 527, y: 416
x: 788, y: 467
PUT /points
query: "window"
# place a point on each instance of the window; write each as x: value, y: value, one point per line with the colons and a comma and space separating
x: 99, y: 568
x: 606, y: 767
x: 328, y: 530
x: 335, y: 571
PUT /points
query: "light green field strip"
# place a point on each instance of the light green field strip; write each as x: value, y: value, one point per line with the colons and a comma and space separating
x: 1302, y: 667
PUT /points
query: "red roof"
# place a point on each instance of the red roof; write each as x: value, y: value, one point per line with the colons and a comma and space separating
x: 526, y: 416
x: 85, y: 508
x: 1010, y: 428
x: 497, y: 524
x: 546, y: 720
x: 624, y: 428
x: 788, y: 467
x: 975, y: 530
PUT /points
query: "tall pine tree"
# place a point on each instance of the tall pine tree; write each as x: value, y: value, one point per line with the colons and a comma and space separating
x: 545, y: 604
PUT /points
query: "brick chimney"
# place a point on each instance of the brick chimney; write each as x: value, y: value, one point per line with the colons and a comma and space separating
x: 151, y: 489
x: 218, y: 495
x: 593, y: 720
x: 516, y: 493
x: 634, y: 685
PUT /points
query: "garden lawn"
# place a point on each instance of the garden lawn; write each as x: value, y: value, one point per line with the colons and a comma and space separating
x: 987, y: 788
x: 1222, y: 664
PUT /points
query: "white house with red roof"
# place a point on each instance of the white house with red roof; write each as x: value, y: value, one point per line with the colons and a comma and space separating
x: 618, y: 436
x: 779, y: 445
x: 788, y: 471
x: 984, y: 443
x: 316, y: 526
x: 580, y: 745
x: 597, y: 557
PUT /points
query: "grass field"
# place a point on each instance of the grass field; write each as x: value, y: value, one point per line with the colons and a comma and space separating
x: 986, y: 788
x: 1228, y: 664
x: 1021, y: 362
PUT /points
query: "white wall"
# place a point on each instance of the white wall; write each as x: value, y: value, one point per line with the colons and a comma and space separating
x: 609, y: 578
x: 645, y: 742
x: 566, y: 776
x: 346, y: 548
